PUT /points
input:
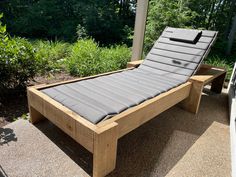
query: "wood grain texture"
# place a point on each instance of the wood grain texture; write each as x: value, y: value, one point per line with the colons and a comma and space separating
x: 191, y: 103
x: 44, y: 86
x: 71, y: 123
x: 135, y: 63
x: 218, y: 83
x: 35, y: 116
x: 138, y: 115
x: 105, y: 149
x: 206, y: 74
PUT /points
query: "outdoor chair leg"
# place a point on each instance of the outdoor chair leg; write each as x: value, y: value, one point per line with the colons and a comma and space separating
x: 192, y: 103
x: 105, y: 147
x: 218, y: 83
x: 35, y: 116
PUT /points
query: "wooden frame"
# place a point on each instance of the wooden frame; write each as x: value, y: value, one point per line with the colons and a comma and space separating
x: 101, y: 139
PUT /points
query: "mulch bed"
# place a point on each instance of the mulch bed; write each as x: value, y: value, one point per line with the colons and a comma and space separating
x: 14, y: 105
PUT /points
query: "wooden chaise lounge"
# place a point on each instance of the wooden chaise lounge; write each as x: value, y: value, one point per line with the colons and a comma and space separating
x: 96, y: 111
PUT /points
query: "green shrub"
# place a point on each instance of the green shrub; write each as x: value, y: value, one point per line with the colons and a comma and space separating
x: 84, y: 58
x: 221, y: 61
x: 17, y: 62
x: 51, y: 55
x: 87, y: 58
x: 114, y: 58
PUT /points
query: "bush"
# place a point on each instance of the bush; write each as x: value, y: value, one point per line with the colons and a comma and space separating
x: 84, y: 58
x: 221, y: 61
x: 51, y: 55
x: 17, y: 62
x: 114, y: 58
x: 87, y: 58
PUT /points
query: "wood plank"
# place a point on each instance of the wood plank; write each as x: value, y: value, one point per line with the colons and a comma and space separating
x: 138, y: 115
x: 179, y: 49
x: 198, y: 45
x: 135, y: 63
x: 44, y: 86
x: 218, y: 83
x: 208, y: 75
x: 35, y: 116
x: 71, y: 123
x: 105, y: 147
x: 192, y: 102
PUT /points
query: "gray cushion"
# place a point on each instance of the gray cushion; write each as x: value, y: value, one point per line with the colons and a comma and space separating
x: 187, y: 36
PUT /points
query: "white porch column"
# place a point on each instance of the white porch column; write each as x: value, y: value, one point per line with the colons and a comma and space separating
x: 139, y: 29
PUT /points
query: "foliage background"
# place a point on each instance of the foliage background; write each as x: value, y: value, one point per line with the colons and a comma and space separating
x: 87, y: 37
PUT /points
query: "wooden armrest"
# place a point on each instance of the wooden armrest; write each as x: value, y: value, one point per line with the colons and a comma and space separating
x: 208, y: 73
x: 134, y: 63
x: 205, y: 75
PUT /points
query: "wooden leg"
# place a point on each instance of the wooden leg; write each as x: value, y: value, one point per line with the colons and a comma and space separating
x: 35, y: 116
x: 192, y: 103
x: 104, y: 154
x: 218, y: 83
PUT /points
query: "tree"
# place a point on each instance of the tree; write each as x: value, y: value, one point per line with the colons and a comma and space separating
x: 199, y: 14
x: 231, y: 37
x: 106, y: 21
x: 164, y: 13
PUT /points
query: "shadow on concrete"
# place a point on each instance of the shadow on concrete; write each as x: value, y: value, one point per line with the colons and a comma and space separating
x: 154, y: 148
x: 7, y: 135
x: 74, y: 150
x: 2, y: 172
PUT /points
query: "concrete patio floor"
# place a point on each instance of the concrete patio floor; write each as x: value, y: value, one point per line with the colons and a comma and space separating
x: 176, y: 143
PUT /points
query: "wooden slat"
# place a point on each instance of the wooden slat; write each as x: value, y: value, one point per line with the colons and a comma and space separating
x: 207, y: 75
x: 192, y: 103
x: 138, y: 115
x: 202, y: 39
x: 135, y: 63
x: 44, y: 86
x: 105, y: 147
x: 71, y: 123
x: 174, y: 55
x: 179, y: 49
x: 198, y: 45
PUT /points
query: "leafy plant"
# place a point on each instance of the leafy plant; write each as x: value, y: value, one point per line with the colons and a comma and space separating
x: 114, y: 58
x: 87, y: 58
x: 164, y: 13
x: 81, y: 32
x: 17, y: 61
x: 84, y: 59
x: 221, y: 61
x: 51, y: 55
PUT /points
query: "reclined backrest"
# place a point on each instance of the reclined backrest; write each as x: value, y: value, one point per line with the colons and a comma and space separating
x: 179, y: 52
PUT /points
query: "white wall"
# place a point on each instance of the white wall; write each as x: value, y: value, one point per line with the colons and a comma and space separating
x: 232, y: 109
